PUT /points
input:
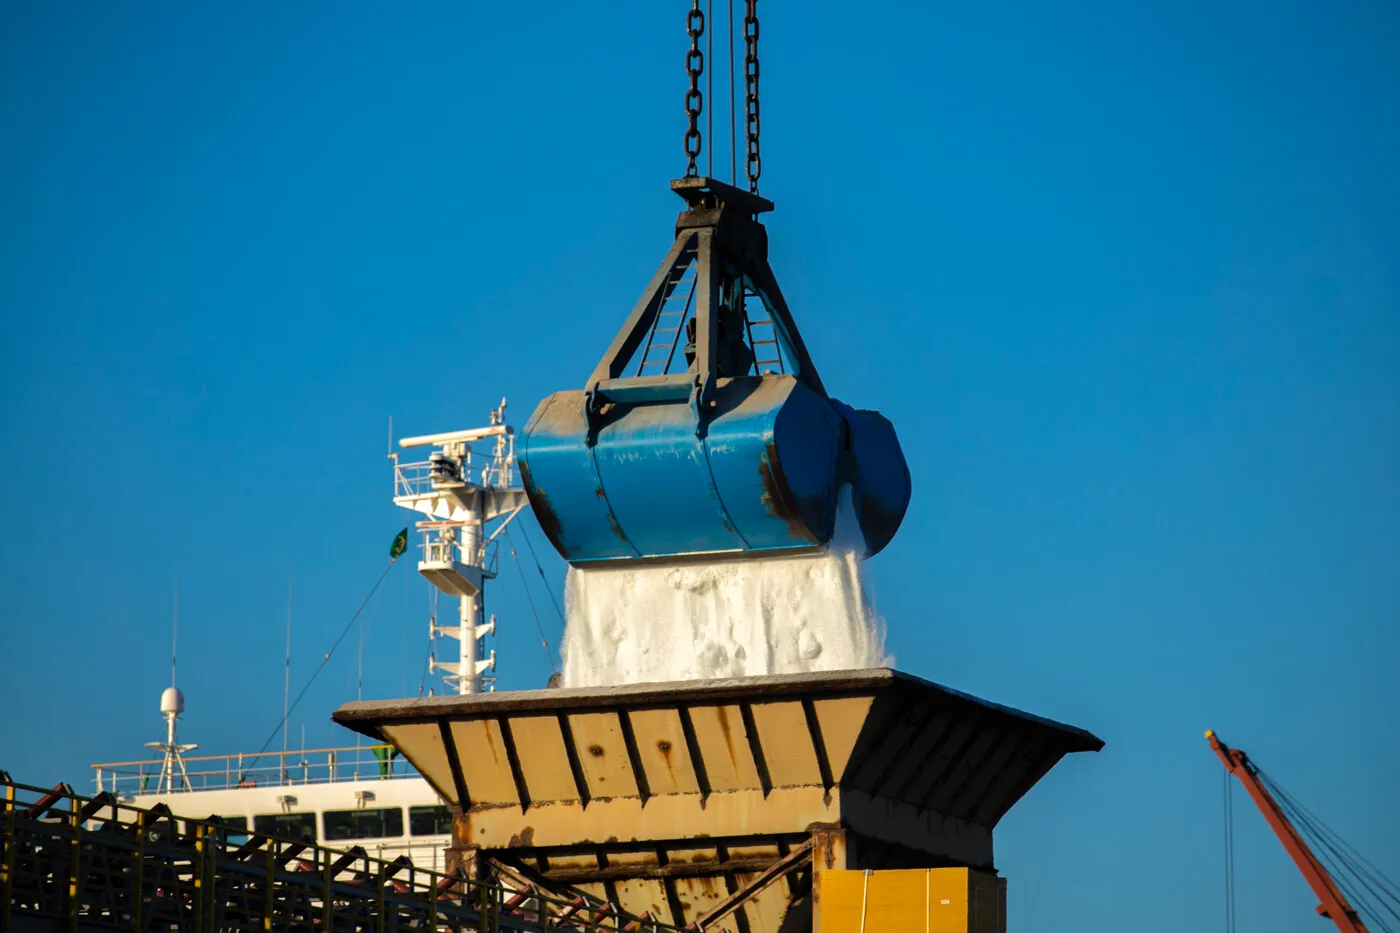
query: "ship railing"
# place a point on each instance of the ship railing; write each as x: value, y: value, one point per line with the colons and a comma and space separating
x: 439, y: 551
x: 268, y: 769
x: 428, y: 477
x: 425, y: 477
x: 95, y: 863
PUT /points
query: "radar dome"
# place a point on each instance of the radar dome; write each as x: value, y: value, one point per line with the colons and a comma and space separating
x: 172, y: 701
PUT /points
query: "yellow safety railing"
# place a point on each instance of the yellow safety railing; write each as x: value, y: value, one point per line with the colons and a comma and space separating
x: 97, y: 863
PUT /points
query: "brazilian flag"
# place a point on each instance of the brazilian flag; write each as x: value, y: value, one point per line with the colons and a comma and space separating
x: 399, y: 546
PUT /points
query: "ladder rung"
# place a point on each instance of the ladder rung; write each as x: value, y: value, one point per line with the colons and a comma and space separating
x: 759, y: 343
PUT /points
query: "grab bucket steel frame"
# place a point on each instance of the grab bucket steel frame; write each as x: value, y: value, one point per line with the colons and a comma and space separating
x: 721, y: 458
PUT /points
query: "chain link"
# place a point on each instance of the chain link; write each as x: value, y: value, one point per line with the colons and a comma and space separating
x: 694, y: 100
x: 754, y: 165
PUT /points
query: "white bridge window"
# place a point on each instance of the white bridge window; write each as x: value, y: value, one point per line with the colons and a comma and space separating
x: 374, y: 823
x: 286, y: 825
x: 430, y: 821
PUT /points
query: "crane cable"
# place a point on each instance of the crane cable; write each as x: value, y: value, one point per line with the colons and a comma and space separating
x: 548, y: 591
x: 1370, y: 892
x: 282, y: 722
x: 1229, y: 853
x: 544, y: 642
x: 1346, y: 865
x: 1310, y: 818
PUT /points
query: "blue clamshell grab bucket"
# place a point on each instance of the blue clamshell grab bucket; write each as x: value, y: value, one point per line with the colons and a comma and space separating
x: 701, y: 462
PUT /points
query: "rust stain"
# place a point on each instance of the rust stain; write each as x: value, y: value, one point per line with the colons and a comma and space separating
x: 728, y: 738
x: 612, y: 523
x: 491, y: 743
x: 524, y: 839
x: 541, y: 507
x: 596, y: 751
x: 775, y: 494
x: 664, y: 747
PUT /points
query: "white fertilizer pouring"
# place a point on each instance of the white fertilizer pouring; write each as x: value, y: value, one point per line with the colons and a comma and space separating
x: 736, y: 618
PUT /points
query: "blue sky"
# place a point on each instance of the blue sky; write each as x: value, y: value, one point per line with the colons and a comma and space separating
x: 1124, y: 276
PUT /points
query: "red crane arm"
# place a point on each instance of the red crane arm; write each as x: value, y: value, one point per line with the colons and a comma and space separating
x: 1334, y: 904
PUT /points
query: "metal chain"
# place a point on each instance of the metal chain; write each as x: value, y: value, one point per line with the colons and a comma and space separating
x: 754, y: 165
x: 694, y: 100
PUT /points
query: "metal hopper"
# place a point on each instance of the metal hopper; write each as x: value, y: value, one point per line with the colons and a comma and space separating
x: 695, y: 800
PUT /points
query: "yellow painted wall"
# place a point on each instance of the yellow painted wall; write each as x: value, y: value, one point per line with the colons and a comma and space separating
x: 932, y: 900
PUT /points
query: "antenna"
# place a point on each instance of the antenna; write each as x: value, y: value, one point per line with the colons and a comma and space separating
x: 172, y: 704
x: 287, y: 670
x: 175, y: 628
x: 360, y: 675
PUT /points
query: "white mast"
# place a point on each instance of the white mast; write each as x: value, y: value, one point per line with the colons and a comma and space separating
x: 457, y: 555
x: 172, y: 704
x: 287, y: 672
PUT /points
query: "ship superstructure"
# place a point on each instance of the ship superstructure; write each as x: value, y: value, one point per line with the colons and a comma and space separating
x: 362, y: 795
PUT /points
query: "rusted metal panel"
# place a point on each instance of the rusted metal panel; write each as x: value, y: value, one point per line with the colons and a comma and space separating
x: 697, y: 896
x: 995, y: 807
x: 724, y: 747
x: 971, y: 764
x: 743, y: 813
x: 995, y: 799
x: 664, y: 798
x: 787, y: 744
x: 695, y: 854
x: 481, y: 749
x: 758, y: 851
x: 874, y: 755
x: 634, y: 860
x: 913, y: 746
x: 941, y: 759
x: 780, y: 870
x: 422, y: 745
x: 829, y: 849
x: 765, y: 911
x: 539, y: 747
x: 603, y: 755
x: 575, y: 865
x: 962, y: 803
x: 644, y: 896
x: 948, y: 838
x: 662, y: 749
x: 841, y: 721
